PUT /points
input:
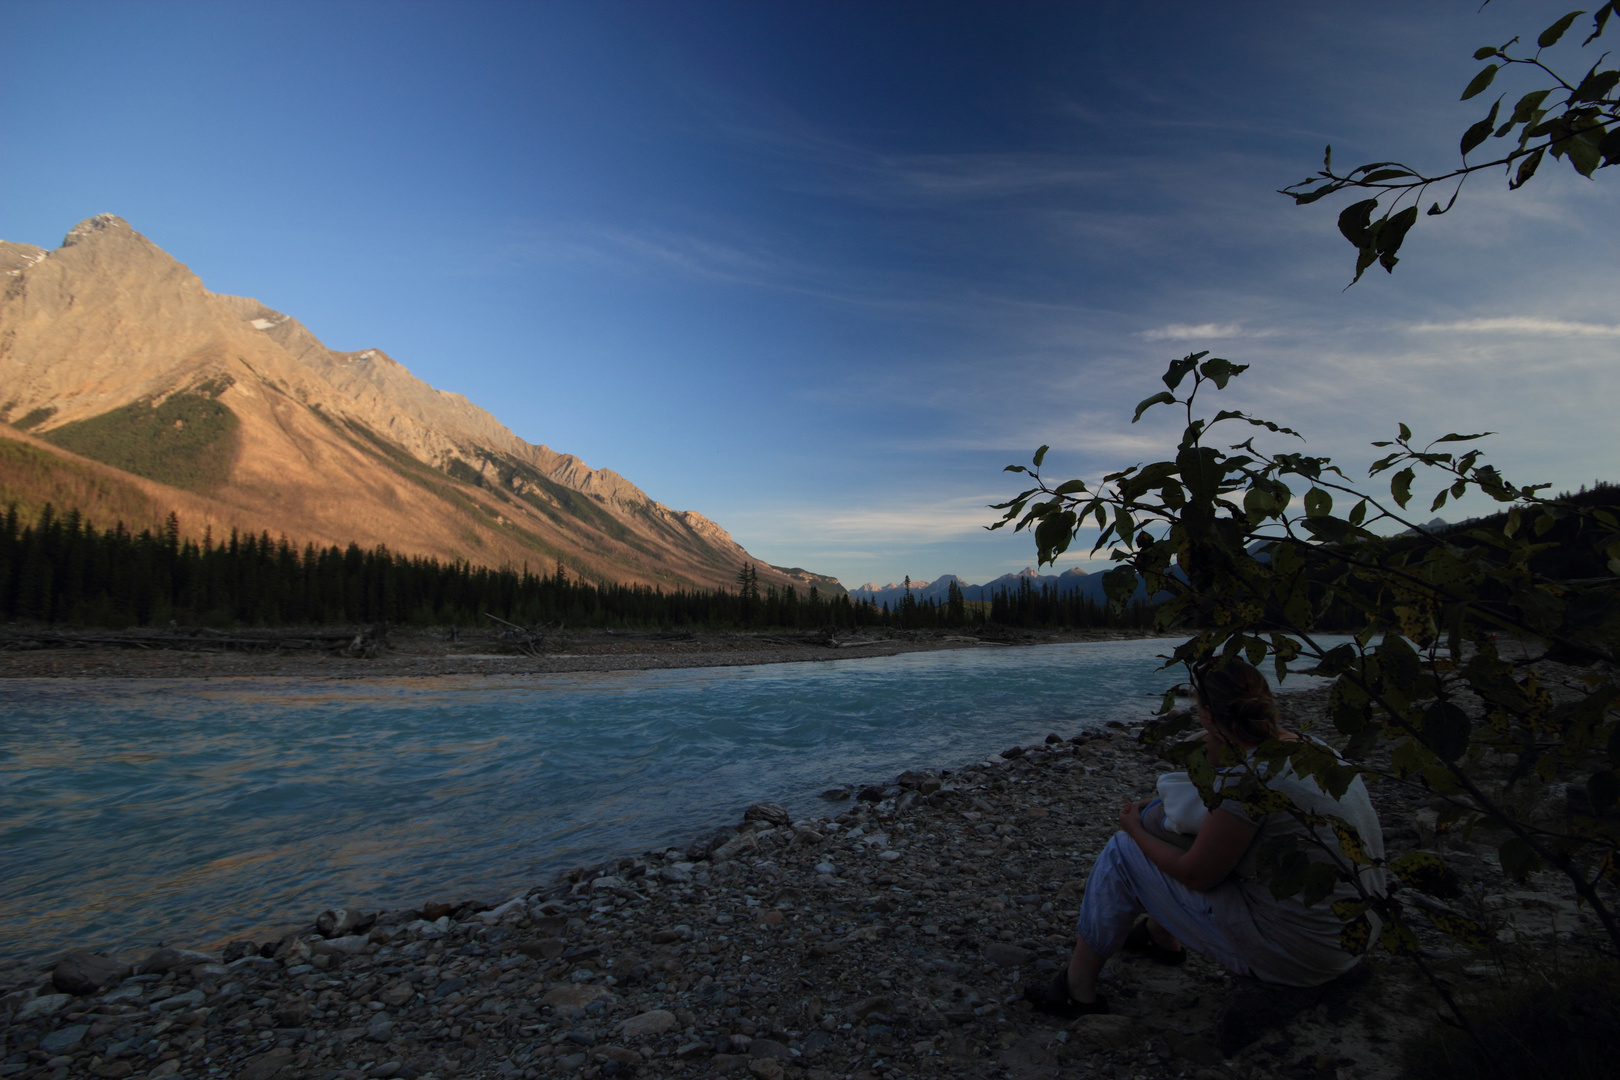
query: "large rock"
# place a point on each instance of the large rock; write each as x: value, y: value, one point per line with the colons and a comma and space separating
x: 43, y: 1005
x: 701, y: 847
x: 380, y: 1029
x: 336, y: 922
x: 349, y: 945
x: 63, y: 1040
x: 769, y: 813
x: 236, y: 950
x: 732, y: 848
x: 512, y: 910
x: 86, y: 973
x: 164, y: 961
x: 652, y: 1022
x: 293, y: 950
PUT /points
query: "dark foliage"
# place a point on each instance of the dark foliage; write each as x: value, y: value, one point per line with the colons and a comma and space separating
x: 1568, y: 1030
x: 187, y: 441
x: 62, y: 569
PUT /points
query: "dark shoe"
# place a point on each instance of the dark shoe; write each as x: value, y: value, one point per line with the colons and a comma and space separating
x: 1140, y: 940
x: 1053, y: 998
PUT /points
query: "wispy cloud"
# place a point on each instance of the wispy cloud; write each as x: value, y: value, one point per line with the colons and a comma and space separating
x: 1520, y: 324
x: 1204, y: 331
x: 909, y: 522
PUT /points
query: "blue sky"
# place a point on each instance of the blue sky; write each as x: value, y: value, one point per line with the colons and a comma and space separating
x: 820, y: 270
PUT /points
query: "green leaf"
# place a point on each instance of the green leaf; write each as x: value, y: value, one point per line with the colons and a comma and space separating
x: 1350, y: 843
x: 1119, y: 584
x: 1221, y: 371
x: 1358, y: 513
x: 1040, y: 455
x: 1465, y: 931
x: 1392, y: 233
x: 1445, y: 729
x: 1355, y: 936
x: 1485, y: 53
x: 1583, y: 152
x: 1053, y: 534
x: 1426, y: 872
x: 1478, y: 133
x: 1406, y: 432
x: 1179, y: 369
x: 1318, y: 503
x: 1549, y: 37
x: 1527, y: 167
x: 1519, y: 859
x: 1355, y: 222
x: 1163, y: 397
x: 1259, y: 505
x: 1400, y: 485
x: 1600, y: 20
x: 1527, y: 106
x: 1398, y: 938
x: 1477, y: 85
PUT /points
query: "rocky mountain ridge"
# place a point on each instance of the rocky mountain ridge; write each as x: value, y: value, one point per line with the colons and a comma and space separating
x: 134, y: 380
x: 1071, y: 580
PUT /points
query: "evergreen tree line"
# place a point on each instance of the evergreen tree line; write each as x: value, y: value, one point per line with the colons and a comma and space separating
x: 62, y: 569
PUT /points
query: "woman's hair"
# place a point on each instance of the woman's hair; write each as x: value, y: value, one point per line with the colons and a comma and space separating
x: 1239, y: 699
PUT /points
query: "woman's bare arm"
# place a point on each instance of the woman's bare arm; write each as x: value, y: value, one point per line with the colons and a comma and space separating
x: 1221, y: 842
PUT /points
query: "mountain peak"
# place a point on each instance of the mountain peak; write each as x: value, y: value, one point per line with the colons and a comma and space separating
x: 327, y: 446
x: 92, y: 227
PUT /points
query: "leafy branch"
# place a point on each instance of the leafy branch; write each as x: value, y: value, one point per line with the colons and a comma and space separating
x: 1250, y: 567
x: 1577, y: 119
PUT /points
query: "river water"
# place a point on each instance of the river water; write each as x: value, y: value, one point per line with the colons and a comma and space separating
x: 189, y: 811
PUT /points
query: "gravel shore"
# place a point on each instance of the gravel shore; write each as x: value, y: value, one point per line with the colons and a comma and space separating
x: 887, y: 937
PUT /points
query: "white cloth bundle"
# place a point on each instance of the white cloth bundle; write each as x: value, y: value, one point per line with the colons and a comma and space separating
x: 1184, y: 809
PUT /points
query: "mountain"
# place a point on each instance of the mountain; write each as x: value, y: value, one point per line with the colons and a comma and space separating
x: 127, y: 389
x: 1070, y: 581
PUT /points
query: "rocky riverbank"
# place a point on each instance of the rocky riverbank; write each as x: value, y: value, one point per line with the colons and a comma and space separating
x: 887, y: 937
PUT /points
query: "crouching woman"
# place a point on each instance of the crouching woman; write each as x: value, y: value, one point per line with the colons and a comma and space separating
x: 1205, y: 896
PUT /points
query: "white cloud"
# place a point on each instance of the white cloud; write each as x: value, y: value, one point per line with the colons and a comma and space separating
x: 1520, y: 324
x: 1185, y: 332
x: 915, y: 522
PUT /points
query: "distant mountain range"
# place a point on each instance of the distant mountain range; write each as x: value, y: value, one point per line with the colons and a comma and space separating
x: 128, y: 390
x: 1070, y: 581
